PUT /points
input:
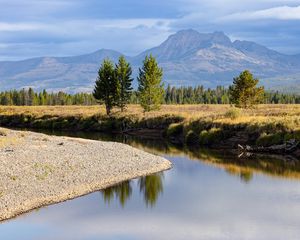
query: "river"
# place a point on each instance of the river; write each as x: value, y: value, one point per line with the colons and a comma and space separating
x: 206, y: 195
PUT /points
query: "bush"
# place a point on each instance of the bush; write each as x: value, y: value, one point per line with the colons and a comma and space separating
x: 60, y: 124
x: 174, y: 130
x: 161, y: 121
x: 233, y: 113
x: 191, y: 138
x: 292, y: 135
x: 211, y: 136
x: 46, y: 123
x: 267, y: 140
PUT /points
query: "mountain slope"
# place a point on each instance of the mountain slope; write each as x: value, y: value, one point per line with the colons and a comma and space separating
x: 184, y: 43
x: 187, y: 57
x: 70, y: 74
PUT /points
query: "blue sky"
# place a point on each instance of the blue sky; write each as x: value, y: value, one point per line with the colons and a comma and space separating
x: 69, y: 27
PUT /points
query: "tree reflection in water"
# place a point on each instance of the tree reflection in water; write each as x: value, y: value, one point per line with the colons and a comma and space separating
x: 150, y: 186
x: 245, y: 167
x: 121, y: 191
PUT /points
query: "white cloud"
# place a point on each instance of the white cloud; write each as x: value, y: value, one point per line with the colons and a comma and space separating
x: 72, y: 27
x: 78, y: 26
x: 15, y: 27
x: 73, y: 37
x: 99, y: 25
x: 281, y: 13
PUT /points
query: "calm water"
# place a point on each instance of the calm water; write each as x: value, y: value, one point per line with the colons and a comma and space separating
x: 207, y: 195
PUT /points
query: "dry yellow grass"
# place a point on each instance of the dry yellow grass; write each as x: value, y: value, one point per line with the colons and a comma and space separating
x: 6, y: 141
x: 187, y: 111
x: 287, y: 114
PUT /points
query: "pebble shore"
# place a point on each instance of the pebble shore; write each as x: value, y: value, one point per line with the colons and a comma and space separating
x: 38, y: 169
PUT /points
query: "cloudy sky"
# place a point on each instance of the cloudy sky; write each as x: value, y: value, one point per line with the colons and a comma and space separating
x: 69, y: 27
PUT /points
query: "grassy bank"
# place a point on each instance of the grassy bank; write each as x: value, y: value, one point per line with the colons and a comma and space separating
x: 210, y: 125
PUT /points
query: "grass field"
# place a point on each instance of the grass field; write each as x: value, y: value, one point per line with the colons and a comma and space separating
x: 270, y: 123
x: 186, y: 111
x: 220, y: 113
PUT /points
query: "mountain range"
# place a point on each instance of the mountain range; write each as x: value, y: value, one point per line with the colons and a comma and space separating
x: 187, y: 58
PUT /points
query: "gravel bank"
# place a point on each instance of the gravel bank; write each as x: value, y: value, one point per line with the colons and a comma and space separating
x: 38, y: 170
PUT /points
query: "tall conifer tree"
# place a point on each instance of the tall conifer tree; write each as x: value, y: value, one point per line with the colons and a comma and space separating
x: 243, y: 92
x: 151, y: 89
x: 106, y: 86
x: 123, y: 74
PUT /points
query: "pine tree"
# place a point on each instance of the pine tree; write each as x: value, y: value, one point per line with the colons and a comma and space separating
x: 123, y: 73
x: 243, y: 92
x: 105, y: 86
x: 30, y: 97
x: 151, y: 90
x: 168, y: 94
x: 24, y: 97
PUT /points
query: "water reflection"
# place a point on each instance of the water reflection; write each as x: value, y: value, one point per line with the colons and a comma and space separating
x: 150, y: 186
x: 204, y: 196
x: 121, y: 191
x: 244, y: 166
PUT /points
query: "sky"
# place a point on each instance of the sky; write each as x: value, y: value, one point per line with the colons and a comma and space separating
x: 35, y: 28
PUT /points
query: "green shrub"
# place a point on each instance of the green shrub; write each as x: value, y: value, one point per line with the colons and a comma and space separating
x: 292, y: 135
x: 191, y: 138
x: 84, y: 123
x: 46, y: 123
x: 267, y: 140
x: 174, y: 130
x: 24, y: 118
x: 233, y: 113
x: 198, y: 125
x: 160, y: 122
x: 211, y: 136
x: 37, y: 123
x: 60, y: 124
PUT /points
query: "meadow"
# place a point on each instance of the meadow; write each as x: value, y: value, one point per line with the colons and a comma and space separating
x: 188, y: 111
x: 204, y: 124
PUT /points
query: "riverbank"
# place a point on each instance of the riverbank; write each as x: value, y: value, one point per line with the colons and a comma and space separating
x: 215, y: 126
x: 38, y: 169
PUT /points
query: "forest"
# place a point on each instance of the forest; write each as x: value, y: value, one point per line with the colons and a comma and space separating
x: 172, y: 95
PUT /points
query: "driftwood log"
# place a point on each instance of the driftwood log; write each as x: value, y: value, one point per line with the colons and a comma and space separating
x: 286, y: 148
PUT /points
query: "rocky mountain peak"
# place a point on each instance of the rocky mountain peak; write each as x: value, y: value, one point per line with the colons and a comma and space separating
x: 220, y: 38
x: 186, y: 42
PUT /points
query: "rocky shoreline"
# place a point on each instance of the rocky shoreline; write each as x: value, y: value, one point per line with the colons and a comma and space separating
x: 38, y: 170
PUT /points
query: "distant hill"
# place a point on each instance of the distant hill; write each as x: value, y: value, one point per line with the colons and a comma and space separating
x: 187, y: 57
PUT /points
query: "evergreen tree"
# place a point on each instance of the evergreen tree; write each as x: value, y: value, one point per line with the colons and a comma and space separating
x: 151, y: 90
x: 168, y: 95
x: 123, y: 73
x: 106, y: 86
x: 30, y: 97
x: 243, y: 92
x: 24, y: 97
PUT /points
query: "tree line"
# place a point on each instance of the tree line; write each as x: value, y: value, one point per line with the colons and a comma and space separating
x: 28, y: 97
x: 219, y: 95
x: 173, y: 95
